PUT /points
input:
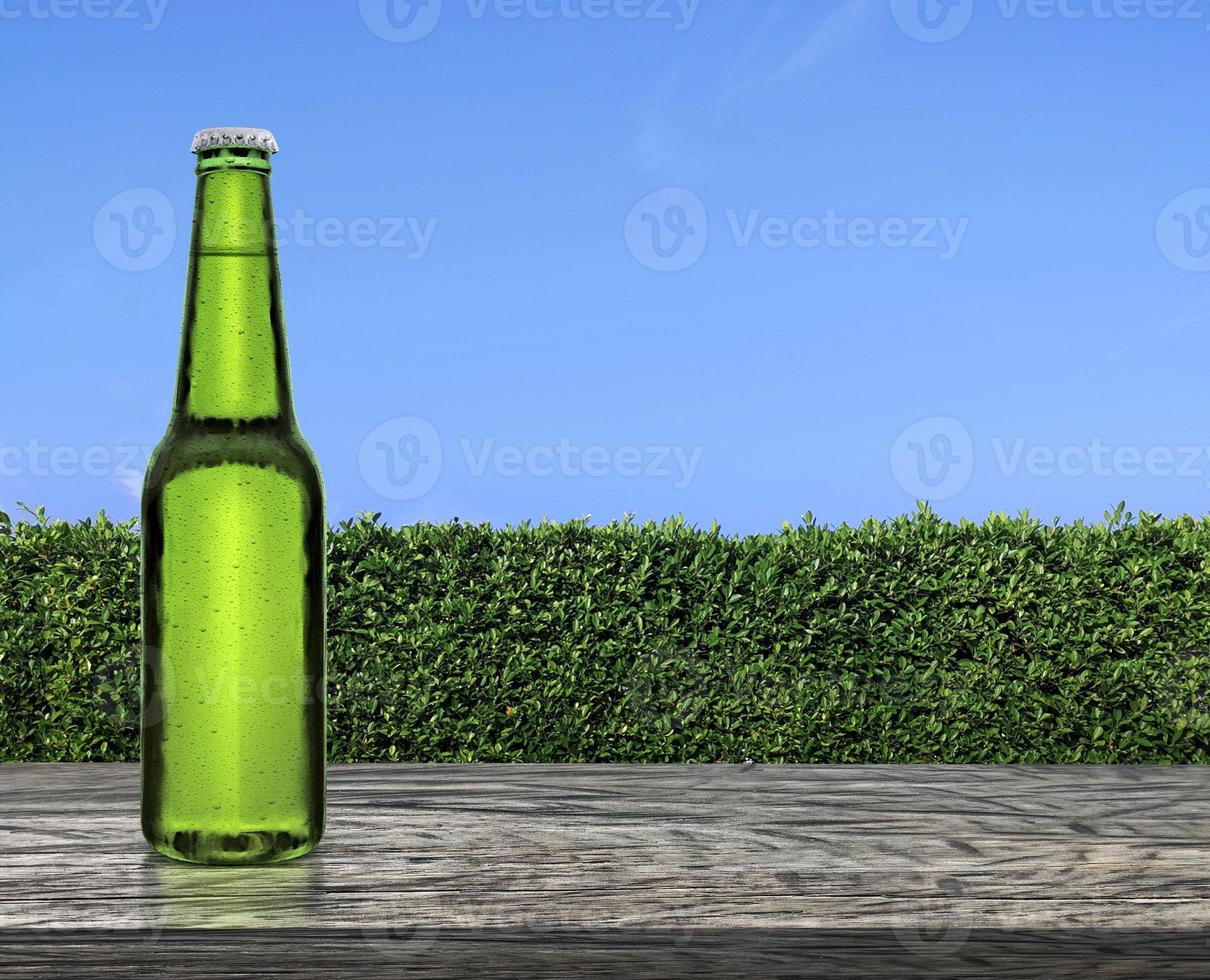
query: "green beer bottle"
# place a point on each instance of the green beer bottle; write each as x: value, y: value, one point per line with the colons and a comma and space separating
x: 233, y: 532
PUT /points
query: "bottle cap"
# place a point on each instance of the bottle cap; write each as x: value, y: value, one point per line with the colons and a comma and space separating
x: 256, y: 139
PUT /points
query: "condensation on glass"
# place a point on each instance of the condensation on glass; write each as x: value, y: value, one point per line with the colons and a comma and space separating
x: 233, y: 530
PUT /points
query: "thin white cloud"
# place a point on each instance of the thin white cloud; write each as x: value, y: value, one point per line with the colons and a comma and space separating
x: 657, y: 142
x: 699, y: 94
x: 1193, y: 316
x: 131, y: 481
x: 1196, y: 315
x: 832, y: 34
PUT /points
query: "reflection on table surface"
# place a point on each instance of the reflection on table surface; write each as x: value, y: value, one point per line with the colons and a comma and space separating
x: 271, y: 896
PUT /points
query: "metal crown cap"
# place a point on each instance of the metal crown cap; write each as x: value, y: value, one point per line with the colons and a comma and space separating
x: 256, y: 139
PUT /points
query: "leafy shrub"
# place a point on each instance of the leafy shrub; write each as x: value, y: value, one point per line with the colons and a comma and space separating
x: 911, y: 640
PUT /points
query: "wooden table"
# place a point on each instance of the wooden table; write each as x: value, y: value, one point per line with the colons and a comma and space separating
x: 638, y: 871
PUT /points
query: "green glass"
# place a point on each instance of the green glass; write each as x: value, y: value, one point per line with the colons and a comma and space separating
x: 233, y: 526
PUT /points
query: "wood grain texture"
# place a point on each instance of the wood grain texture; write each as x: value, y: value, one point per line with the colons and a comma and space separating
x: 633, y: 871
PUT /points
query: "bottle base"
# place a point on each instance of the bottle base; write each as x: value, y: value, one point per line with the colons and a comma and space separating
x: 246, y: 847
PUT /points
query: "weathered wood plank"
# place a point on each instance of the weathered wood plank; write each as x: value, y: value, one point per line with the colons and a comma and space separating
x: 645, y: 871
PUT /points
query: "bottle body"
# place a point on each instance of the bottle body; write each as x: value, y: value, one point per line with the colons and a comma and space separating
x: 233, y: 528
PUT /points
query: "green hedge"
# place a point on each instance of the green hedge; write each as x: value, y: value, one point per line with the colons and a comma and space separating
x: 911, y: 640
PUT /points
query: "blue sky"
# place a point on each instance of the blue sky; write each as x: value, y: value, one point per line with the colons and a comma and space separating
x: 735, y: 261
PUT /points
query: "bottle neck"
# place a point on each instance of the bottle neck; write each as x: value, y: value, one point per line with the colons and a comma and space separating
x: 233, y: 366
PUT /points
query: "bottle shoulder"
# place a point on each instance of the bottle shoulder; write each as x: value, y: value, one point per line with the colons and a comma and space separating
x: 187, y: 447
